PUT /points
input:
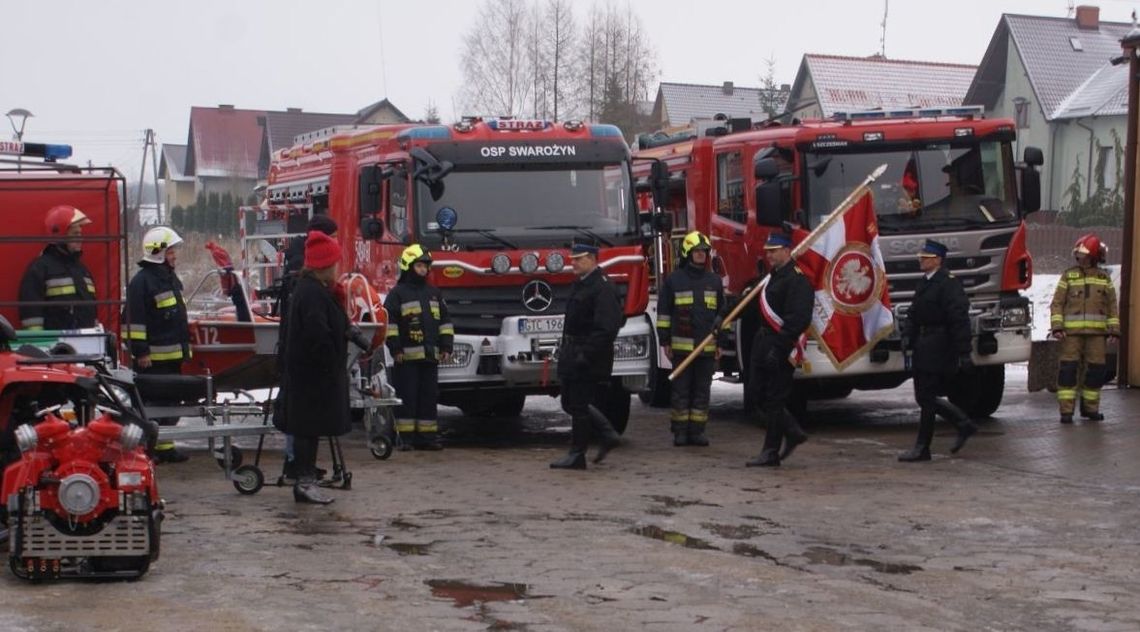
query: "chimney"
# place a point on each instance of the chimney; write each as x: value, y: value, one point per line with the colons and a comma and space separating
x: 785, y: 87
x: 293, y: 110
x: 1088, y: 17
x: 727, y: 88
x: 225, y: 106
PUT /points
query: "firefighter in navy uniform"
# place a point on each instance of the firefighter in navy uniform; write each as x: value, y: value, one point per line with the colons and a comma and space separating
x: 155, y: 324
x: 586, y: 356
x: 1083, y: 316
x: 785, y: 307
x: 937, y: 331
x: 688, y: 310
x: 420, y: 336
x: 58, y: 278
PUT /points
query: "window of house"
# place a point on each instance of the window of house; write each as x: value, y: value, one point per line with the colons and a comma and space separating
x: 1021, y: 112
x: 730, y: 187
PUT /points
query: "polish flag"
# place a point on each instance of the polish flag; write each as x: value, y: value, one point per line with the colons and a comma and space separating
x: 842, y: 260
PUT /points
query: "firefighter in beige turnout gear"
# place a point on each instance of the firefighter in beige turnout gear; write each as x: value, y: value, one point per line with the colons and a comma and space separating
x: 1083, y: 316
x: 688, y: 310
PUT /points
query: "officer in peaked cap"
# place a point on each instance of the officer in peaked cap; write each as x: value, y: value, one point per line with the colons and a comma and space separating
x: 586, y: 355
x: 937, y: 330
x: 785, y: 309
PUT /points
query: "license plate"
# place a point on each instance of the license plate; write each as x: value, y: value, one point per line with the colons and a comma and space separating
x: 541, y: 325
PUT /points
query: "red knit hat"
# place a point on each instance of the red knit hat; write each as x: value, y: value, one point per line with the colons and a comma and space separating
x: 321, y: 251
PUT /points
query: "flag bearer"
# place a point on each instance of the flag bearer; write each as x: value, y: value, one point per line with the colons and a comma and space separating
x: 688, y: 310
x: 1082, y: 316
x: 420, y: 337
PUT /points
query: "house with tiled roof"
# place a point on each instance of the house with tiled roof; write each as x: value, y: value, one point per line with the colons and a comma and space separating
x: 681, y: 104
x: 1056, y: 78
x: 228, y: 149
x: 827, y: 84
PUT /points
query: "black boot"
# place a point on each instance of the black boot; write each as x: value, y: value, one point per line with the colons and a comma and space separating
x: 1066, y: 418
x: 921, y: 449
x: 793, y: 436
x: 574, y: 460
x: 608, y: 438
x: 696, y: 434
x: 429, y: 441
x: 680, y: 431
x: 1091, y: 416
x: 307, y: 491
x: 767, y: 458
x: 965, y: 431
x: 917, y: 453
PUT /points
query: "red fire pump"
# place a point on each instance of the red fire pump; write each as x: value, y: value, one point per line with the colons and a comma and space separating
x: 81, y: 498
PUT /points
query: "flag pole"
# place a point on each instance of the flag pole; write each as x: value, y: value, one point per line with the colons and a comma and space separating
x: 797, y: 251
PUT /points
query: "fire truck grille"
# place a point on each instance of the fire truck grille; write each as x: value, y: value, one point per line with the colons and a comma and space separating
x: 124, y: 535
x: 481, y: 310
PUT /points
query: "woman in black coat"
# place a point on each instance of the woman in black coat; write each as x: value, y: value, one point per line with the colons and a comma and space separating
x: 316, y: 352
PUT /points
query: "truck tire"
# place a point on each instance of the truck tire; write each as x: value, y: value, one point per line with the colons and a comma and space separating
x: 658, y: 394
x: 979, y: 392
x: 613, y: 401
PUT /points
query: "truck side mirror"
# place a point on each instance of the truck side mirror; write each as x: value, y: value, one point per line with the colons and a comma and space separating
x: 659, y: 181
x: 663, y: 223
x: 371, y: 177
x: 765, y: 169
x: 768, y: 204
x: 1030, y: 190
x: 1034, y: 157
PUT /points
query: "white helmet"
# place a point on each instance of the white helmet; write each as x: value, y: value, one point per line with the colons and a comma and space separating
x: 156, y: 241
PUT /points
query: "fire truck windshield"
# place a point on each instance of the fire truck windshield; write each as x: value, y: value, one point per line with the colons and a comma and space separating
x: 935, y: 186
x: 542, y: 206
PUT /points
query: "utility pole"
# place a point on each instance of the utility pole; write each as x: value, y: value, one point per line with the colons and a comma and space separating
x: 883, y: 37
x: 150, y: 147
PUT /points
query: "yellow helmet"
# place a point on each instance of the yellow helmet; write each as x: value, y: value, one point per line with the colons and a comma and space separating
x: 412, y: 254
x: 694, y: 241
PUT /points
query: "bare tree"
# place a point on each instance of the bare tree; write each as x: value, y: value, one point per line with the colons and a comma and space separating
x: 495, y: 68
x: 560, y: 36
x: 771, y: 97
x: 536, y: 58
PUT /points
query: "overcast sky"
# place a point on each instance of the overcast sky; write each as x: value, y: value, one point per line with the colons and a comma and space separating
x: 95, y: 74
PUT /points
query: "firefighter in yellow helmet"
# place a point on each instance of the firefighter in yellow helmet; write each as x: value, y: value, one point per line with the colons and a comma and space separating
x: 156, y: 328
x: 57, y: 290
x: 419, y: 339
x: 689, y: 309
x: 1083, y: 315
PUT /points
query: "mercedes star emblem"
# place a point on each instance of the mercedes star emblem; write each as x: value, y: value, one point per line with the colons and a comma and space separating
x: 538, y: 296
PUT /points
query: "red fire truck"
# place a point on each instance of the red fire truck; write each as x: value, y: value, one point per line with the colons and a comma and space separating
x: 951, y: 176
x: 497, y: 202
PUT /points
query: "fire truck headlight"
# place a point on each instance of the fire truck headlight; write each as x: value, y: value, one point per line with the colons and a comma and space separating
x: 130, y: 436
x: 631, y: 348
x: 26, y: 438
x: 78, y: 494
x: 529, y: 263
x: 501, y: 263
x: 555, y: 262
x: 1015, y: 317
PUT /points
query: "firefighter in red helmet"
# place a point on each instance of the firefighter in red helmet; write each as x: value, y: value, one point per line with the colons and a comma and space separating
x: 57, y: 290
x: 1083, y: 316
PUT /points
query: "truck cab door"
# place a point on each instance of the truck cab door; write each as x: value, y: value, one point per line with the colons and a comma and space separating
x: 729, y: 223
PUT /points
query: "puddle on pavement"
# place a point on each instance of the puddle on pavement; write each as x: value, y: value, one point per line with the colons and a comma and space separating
x: 831, y: 557
x: 672, y: 502
x: 465, y: 594
x: 657, y: 533
x: 410, y: 548
x: 732, y: 532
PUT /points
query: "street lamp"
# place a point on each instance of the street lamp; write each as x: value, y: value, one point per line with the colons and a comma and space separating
x: 21, y: 114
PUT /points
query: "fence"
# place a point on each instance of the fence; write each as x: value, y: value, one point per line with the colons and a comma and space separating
x: 1052, y: 245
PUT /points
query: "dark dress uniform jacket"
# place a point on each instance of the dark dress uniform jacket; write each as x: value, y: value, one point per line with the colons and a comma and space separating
x: 155, y: 321
x: 791, y: 296
x: 593, y: 318
x: 57, y: 275
x: 316, y: 352
x: 690, y: 303
x: 937, y: 325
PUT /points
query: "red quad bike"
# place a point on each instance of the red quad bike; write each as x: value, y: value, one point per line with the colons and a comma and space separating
x: 79, y: 497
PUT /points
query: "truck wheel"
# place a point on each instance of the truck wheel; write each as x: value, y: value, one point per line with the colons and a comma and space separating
x: 658, y: 394
x: 614, y: 402
x: 510, y: 405
x: 979, y: 391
